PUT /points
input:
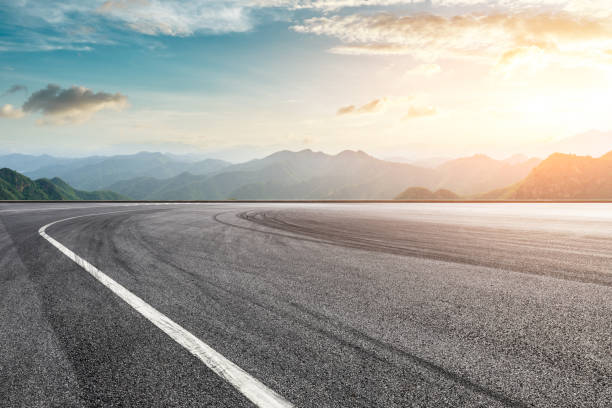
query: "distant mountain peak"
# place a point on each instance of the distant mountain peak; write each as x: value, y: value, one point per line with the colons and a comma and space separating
x: 283, y: 154
x: 147, y: 153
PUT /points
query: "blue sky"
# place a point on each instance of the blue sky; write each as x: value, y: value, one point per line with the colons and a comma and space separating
x: 392, y: 77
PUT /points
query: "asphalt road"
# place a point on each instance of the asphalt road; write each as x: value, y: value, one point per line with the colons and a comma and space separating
x: 328, y: 305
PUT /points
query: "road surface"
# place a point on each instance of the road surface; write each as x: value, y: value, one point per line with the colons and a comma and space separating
x: 322, y: 305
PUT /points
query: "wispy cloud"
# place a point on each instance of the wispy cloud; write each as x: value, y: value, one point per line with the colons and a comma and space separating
x: 178, y: 18
x: 497, y: 37
x: 371, y: 107
x: 591, y: 7
x: 371, y: 49
x: 14, y: 89
x: 110, y: 5
x: 78, y: 25
x: 419, y: 112
x: 345, y: 110
x: 71, y: 105
x: 42, y: 25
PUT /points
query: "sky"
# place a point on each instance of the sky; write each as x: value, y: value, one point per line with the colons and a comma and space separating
x: 239, y: 79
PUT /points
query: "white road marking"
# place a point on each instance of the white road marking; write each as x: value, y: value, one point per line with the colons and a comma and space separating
x: 250, y: 387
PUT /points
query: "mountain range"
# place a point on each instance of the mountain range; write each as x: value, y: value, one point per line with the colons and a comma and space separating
x: 284, y: 175
x: 306, y: 174
x: 287, y: 175
x: 16, y: 186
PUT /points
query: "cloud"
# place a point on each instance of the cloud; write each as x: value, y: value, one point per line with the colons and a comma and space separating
x: 430, y: 37
x: 110, y: 5
x: 371, y: 49
x: 419, y: 112
x: 327, y: 5
x: 592, y: 7
x: 371, y: 107
x: 346, y: 110
x: 78, y: 25
x: 14, y: 89
x: 374, y: 106
x: 71, y: 105
x: 9, y: 111
x: 178, y: 18
x: 52, y: 25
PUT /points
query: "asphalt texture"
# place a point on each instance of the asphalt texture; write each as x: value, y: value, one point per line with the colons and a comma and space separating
x: 329, y: 305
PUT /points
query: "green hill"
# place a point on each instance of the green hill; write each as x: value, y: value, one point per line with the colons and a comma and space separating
x: 421, y: 193
x: 16, y: 186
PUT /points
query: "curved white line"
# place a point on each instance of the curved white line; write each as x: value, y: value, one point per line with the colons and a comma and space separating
x: 250, y: 387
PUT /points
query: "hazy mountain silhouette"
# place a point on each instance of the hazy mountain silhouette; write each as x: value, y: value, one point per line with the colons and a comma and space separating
x: 282, y: 175
x: 315, y: 175
x: 98, y: 172
x: 431, y: 162
x: 24, y: 163
x: 288, y: 175
x: 16, y: 186
x: 478, y: 173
